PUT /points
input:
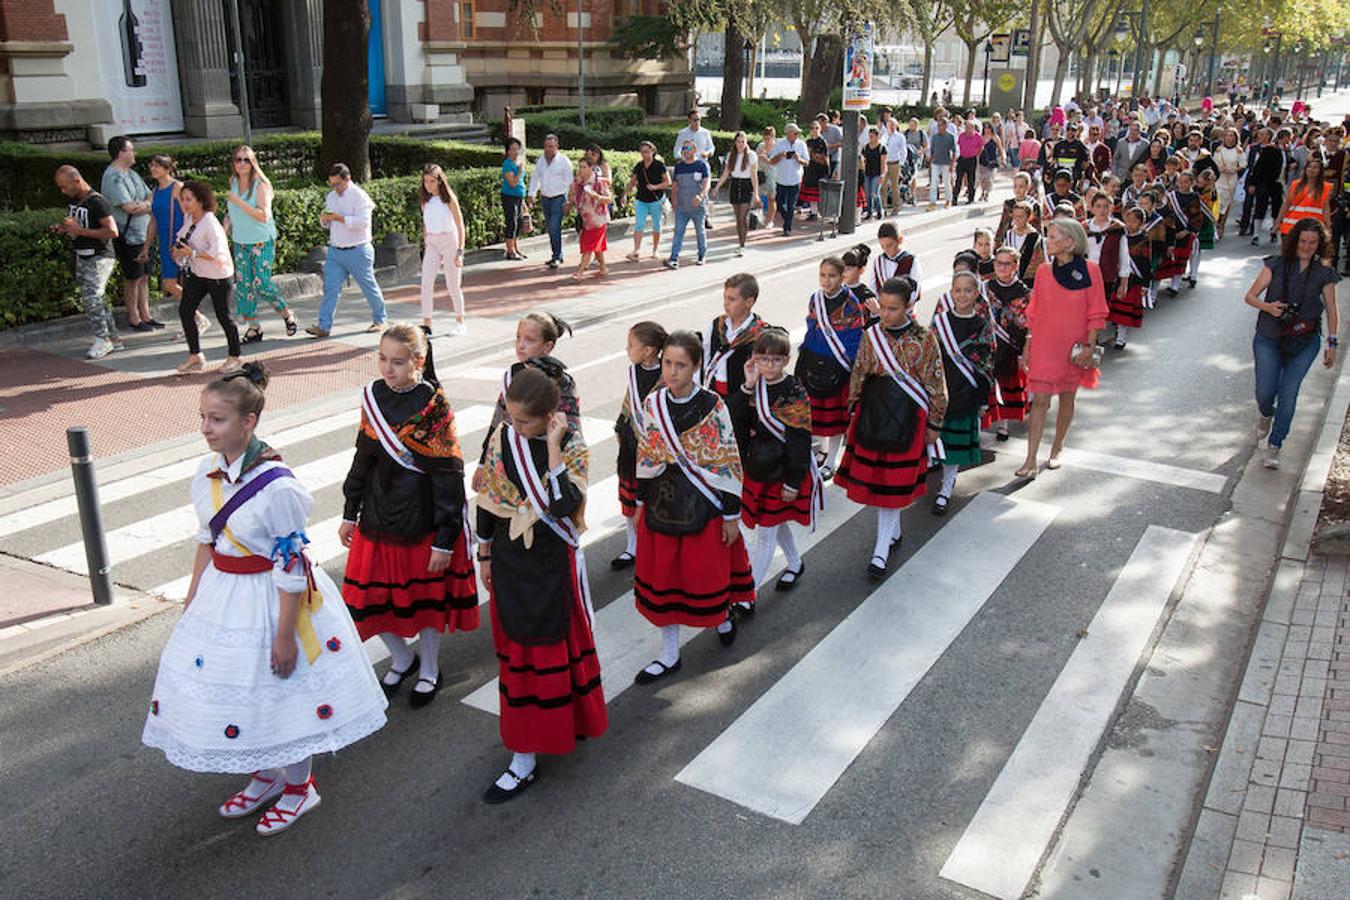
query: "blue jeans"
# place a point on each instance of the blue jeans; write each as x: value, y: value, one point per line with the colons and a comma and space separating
x: 1278, y: 378
x: 683, y: 218
x: 553, y: 216
x: 872, y: 190
x: 787, y: 204
x: 1014, y: 160
x: 359, y: 263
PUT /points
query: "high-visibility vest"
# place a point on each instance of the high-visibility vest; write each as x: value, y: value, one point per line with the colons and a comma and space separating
x: 1306, y: 205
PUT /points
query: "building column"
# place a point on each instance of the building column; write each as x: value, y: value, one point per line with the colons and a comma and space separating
x: 303, y: 23
x: 204, y: 69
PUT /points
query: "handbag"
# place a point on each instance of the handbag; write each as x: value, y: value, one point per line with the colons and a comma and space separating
x: 1098, y: 351
x: 526, y: 221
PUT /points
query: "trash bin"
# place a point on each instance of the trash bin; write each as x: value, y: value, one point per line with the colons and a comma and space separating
x: 831, y: 198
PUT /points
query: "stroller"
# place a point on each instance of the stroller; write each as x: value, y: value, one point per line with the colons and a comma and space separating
x: 906, y: 180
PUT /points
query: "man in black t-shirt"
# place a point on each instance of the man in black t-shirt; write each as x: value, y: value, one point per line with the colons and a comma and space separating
x: 651, y: 180
x: 92, y: 228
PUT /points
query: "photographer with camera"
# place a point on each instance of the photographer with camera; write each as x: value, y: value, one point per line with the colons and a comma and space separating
x: 1299, y: 287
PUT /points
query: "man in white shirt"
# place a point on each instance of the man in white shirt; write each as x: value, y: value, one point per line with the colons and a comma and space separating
x: 346, y: 215
x: 550, y: 184
x: 789, y: 156
x: 897, y: 152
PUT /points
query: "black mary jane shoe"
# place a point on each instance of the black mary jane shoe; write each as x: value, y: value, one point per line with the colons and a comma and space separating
x: 251, y: 336
x: 418, y: 699
x: 1001, y: 435
x: 940, y: 505
x: 728, y: 637
x: 826, y: 473
x: 496, y: 795
x: 624, y: 560
x: 645, y: 677
x: 392, y: 689
x: 788, y: 580
x: 1170, y: 291
x: 874, y: 571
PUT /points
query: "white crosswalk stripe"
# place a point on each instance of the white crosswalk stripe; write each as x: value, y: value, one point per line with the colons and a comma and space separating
x: 1002, y: 845
x: 787, y: 750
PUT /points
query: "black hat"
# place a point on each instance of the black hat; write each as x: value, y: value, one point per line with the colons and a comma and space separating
x: 1065, y: 174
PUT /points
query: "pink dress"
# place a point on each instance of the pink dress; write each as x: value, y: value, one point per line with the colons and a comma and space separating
x: 1057, y: 319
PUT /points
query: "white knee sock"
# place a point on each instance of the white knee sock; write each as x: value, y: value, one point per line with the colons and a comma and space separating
x: 1001, y: 426
x: 949, y: 473
x: 428, y: 647
x: 631, y: 524
x: 1195, y: 263
x: 400, y: 656
x: 832, y: 445
x: 522, y: 764
x: 298, y: 773
x: 670, y: 649
x: 765, y: 544
x: 1176, y: 282
x: 789, y: 545
x: 888, y: 529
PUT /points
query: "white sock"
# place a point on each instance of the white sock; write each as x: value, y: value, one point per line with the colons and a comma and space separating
x: 1121, y: 335
x: 724, y: 627
x: 1195, y: 264
x: 522, y: 764
x: 631, y: 524
x: 888, y: 528
x: 789, y: 545
x: 263, y: 781
x: 670, y: 649
x: 400, y: 656
x: 765, y: 545
x: 949, y: 473
x: 1001, y: 426
x: 1176, y: 282
x: 428, y: 647
x: 832, y: 445
x: 298, y: 773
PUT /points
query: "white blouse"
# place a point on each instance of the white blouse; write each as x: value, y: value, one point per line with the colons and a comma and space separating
x: 436, y: 217
x: 208, y: 236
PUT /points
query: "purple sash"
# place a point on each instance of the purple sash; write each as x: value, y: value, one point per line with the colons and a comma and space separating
x: 244, y: 494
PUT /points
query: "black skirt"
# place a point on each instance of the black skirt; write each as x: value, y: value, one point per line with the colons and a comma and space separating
x: 742, y: 190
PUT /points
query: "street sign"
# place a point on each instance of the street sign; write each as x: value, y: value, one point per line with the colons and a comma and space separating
x: 1021, y: 41
x: 1002, y: 45
x: 1005, y: 89
x: 858, y: 58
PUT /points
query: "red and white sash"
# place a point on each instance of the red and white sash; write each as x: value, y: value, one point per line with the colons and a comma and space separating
x: 837, y: 349
x: 634, y: 398
x: 947, y: 337
x: 537, y: 495
x: 387, y: 437
x: 692, y: 470
x: 775, y: 427
x: 907, y: 382
x: 881, y: 276
x: 713, y: 361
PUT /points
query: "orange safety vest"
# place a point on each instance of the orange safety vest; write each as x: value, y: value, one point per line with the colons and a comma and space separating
x: 1304, y: 205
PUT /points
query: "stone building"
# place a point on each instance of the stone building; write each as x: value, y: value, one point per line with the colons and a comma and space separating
x: 73, y: 70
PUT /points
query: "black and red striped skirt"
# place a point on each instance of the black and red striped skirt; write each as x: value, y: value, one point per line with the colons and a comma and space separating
x: 890, y: 479
x: 1013, y: 389
x: 550, y: 693
x: 388, y: 589
x: 628, y: 495
x: 763, y: 505
x: 829, y: 415
x: 1128, y: 310
x: 1175, y: 262
x: 690, y: 579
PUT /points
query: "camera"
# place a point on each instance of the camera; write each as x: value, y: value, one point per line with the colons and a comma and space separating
x: 1290, y: 313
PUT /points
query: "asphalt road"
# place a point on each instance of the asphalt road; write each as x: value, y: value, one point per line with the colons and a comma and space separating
x: 89, y: 812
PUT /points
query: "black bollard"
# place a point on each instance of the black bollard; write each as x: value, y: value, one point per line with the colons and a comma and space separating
x: 91, y: 517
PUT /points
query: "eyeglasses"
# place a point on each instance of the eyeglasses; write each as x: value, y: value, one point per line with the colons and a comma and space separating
x: 240, y: 159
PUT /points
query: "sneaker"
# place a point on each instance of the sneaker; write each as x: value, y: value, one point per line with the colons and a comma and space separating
x: 316, y: 331
x: 1256, y: 240
x: 142, y: 327
x: 458, y: 328
x: 376, y: 327
x: 1263, y: 426
x: 699, y: 261
x: 1272, y: 460
x: 672, y: 264
x: 553, y: 263
x: 740, y: 251
x: 100, y: 348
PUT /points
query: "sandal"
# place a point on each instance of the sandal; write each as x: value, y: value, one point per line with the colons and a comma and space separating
x: 292, y: 326
x: 241, y: 804
x: 1053, y: 463
x: 631, y: 257
x: 252, y: 335
x: 191, y: 367
x: 1027, y: 472
x: 231, y: 364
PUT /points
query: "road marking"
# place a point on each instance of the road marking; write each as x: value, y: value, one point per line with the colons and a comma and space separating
x: 626, y: 642
x: 60, y: 508
x: 1138, y: 469
x: 153, y: 533
x: 598, y: 361
x: 1004, y: 842
x: 789, y: 748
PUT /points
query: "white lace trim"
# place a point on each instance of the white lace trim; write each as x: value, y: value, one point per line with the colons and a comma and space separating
x: 243, y: 761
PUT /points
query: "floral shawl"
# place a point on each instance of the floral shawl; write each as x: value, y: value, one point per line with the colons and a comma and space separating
x: 498, y: 495
x: 710, y: 445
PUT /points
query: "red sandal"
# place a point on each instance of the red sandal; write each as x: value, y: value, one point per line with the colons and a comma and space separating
x: 303, y: 798
x: 242, y: 803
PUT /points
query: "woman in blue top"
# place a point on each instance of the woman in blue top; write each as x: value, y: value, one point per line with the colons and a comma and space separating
x: 166, y: 217
x: 513, y: 196
x: 253, y: 235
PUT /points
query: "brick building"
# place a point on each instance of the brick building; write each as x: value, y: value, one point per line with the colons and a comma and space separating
x: 74, y: 70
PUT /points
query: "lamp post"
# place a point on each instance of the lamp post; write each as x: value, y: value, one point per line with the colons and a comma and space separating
x: 581, y: 70
x: 747, y: 52
x: 988, y: 51
x: 1114, y: 58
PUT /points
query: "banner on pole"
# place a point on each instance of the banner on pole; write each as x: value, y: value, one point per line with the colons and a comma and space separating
x: 858, y: 58
x: 1002, y: 47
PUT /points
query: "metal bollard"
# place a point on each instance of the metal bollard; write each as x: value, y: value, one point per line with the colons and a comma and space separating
x: 91, y: 517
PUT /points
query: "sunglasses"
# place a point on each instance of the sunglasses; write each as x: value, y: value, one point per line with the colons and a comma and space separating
x: 240, y: 159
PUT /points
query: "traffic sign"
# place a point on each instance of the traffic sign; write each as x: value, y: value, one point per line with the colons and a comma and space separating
x: 1001, y: 44
x: 1021, y: 41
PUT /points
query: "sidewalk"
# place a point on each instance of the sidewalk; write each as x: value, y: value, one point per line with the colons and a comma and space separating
x: 1275, y: 823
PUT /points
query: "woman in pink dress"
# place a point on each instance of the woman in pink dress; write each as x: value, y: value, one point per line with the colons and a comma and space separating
x: 1068, y: 308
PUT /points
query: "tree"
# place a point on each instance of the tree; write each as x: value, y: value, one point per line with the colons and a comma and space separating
x: 932, y: 17
x: 1068, y: 22
x: 344, y: 89
x: 975, y: 21
x: 821, y: 24
x: 1036, y: 26
x: 733, y: 76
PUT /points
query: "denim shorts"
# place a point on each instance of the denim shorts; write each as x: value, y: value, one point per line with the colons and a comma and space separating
x: 647, y: 210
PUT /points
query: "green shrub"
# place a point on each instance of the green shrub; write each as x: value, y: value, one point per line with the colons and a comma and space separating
x: 756, y: 115
x: 602, y: 117
x: 38, y: 267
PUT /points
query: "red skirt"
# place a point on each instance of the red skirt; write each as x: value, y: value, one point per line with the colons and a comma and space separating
x: 550, y: 693
x: 808, y: 195
x: 628, y: 495
x: 885, y: 478
x: 1014, y: 405
x: 690, y: 579
x: 829, y: 415
x: 594, y: 240
x: 1175, y: 262
x: 1129, y: 310
x: 387, y: 588
x: 762, y: 504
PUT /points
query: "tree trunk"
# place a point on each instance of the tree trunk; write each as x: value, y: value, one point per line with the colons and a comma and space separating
x: 1161, y: 53
x: 823, y: 71
x: 733, y: 77
x: 344, y: 89
x: 808, y: 42
x: 927, y: 72
x: 1088, y: 76
x: 1061, y: 69
x: 970, y: 72
x: 1036, y: 25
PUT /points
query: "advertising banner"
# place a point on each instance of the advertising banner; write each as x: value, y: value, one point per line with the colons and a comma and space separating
x: 858, y: 69
x: 138, y: 65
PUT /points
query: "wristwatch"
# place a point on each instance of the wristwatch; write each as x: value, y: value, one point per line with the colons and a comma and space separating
x: 1333, y: 342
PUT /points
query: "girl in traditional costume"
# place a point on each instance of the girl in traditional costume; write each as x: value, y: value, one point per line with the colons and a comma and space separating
x: 409, y: 572
x: 265, y: 668
x: 1008, y: 299
x: 530, y: 520
x: 835, y: 320
x: 1127, y: 310
x: 645, y: 340
x: 536, y: 336
x: 965, y: 332
x: 855, y: 275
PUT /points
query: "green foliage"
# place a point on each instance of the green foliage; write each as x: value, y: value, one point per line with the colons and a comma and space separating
x: 648, y: 37
x: 39, y: 278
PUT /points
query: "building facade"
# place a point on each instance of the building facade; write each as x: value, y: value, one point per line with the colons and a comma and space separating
x: 75, y: 70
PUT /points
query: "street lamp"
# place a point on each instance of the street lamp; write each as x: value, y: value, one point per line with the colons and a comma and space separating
x: 747, y: 50
x: 988, y: 51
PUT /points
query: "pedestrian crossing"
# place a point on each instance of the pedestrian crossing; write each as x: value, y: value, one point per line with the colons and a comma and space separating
x: 794, y: 742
